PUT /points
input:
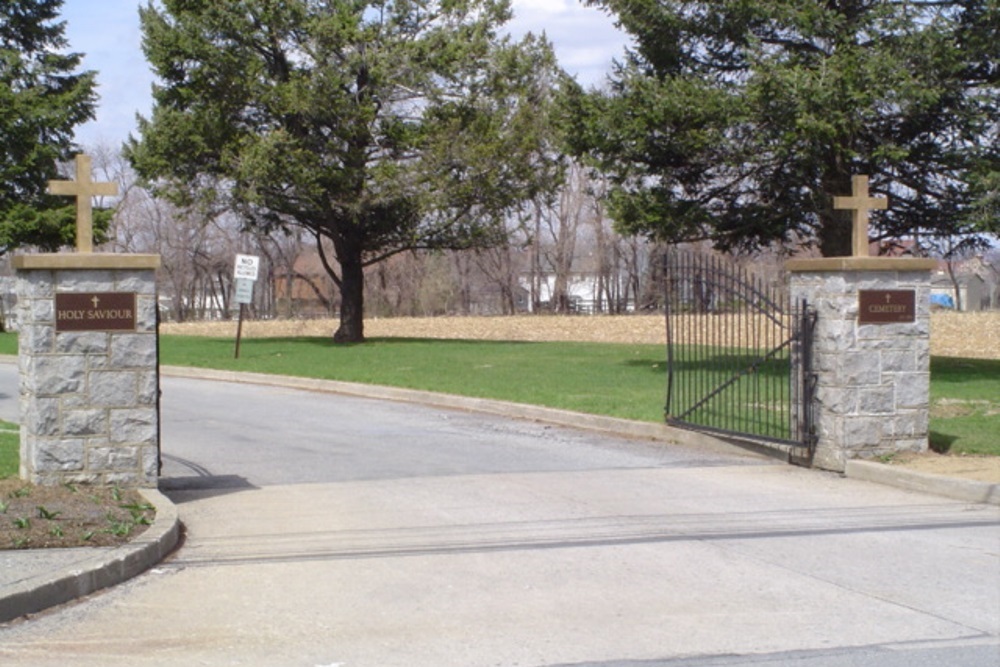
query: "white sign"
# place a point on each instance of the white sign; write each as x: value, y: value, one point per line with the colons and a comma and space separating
x: 246, y: 266
x: 244, y: 290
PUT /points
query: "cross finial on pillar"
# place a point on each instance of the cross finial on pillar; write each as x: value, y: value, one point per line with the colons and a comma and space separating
x: 859, y: 203
x: 83, y: 188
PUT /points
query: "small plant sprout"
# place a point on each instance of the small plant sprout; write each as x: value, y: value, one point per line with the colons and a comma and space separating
x: 47, y: 514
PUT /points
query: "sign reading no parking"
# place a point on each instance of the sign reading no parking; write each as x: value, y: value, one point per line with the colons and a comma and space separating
x: 247, y: 267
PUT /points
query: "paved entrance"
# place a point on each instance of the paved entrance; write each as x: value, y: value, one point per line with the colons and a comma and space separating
x: 325, y: 530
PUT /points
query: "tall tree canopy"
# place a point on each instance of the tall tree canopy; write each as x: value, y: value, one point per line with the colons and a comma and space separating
x: 42, y: 100
x: 740, y: 120
x: 380, y: 126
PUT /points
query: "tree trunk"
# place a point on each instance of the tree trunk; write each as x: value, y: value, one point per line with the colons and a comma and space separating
x: 836, y: 228
x: 835, y: 234
x: 352, y: 300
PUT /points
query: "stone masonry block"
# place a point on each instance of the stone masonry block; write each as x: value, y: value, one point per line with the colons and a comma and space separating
x: 913, y: 390
x: 862, y: 433
x: 61, y: 455
x: 877, y: 400
x: 896, y: 361
x: 150, y: 462
x: 113, y: 389
x: 43, y: 310
x: 914, y: 424
x: 149, y: 389
x: 135, y: 426
x: 858, y: 368
x: 84, y: 342
x: 80, y: 478
x: 85, y: 422
x: 92, y: 280
x: 910, y: 330
x: 113, y: 459
x: 837, y: 400
x: 37, y: 339
x: 56, y: 375
x: 35, y: 284
x: 41, y: 416
x: 830, y: 458
x: 140, y: 282
x: 126, y: 479
x: 146, y: 307
x: 133, y: 350
x: 910, y: 445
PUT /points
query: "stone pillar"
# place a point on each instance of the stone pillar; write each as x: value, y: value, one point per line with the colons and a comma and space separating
x: 89, y: 381
x: 871, y: 354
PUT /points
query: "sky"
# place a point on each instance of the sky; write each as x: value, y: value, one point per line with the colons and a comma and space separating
x: 107, y: 32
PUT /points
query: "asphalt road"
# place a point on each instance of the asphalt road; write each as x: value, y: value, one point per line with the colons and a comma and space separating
x: 328, y: 530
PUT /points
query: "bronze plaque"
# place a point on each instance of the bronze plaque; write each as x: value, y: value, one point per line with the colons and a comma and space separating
x: 887, y: 306
x: 95, y: 311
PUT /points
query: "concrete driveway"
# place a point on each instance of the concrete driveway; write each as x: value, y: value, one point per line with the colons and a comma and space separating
x: 329, y: 530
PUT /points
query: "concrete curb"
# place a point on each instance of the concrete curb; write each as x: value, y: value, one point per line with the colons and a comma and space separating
x: 966, y: 490
x: 106, y: 568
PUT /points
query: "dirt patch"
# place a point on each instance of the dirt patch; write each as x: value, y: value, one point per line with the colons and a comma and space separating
x: 971, y: 335
x: 978, y: 468
x: 649, y: 329
x: 968, y: 335
x: 34, y: 517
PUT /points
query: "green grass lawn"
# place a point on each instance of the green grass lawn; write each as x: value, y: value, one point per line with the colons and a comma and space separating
x: 626, y: 381
x: 621, y: 380
x: 9, y: 449
x: 965, y: 406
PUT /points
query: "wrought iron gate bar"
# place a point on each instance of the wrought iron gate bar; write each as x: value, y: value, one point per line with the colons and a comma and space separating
x: 737, y: 354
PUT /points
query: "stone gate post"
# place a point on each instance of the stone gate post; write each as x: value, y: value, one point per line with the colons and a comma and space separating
x: 87, y: 351
x: 88, y: 363
x: 871, y: 354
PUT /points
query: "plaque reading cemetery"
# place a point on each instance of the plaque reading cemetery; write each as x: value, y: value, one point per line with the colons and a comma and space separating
x: 95, y: 311
x: 887, y: 306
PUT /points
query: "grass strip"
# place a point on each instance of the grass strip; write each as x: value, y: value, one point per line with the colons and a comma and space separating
x: 10, y: 446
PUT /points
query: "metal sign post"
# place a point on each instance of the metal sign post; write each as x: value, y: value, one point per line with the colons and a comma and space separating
x: 245, y: 271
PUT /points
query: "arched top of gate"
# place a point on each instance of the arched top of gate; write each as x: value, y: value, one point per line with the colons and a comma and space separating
x: 707, y: 284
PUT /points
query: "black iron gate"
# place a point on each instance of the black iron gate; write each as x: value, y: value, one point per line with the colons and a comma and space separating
x: 738, y: 354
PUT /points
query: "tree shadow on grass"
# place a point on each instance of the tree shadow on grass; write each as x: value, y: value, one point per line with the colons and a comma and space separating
x: 941, y: 442
x: 955, y: 369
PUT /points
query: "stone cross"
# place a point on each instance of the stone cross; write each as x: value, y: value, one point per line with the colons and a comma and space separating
x: 860, y: 204
x: 83, y: 189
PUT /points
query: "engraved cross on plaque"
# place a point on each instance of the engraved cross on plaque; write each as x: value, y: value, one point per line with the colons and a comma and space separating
x: 860, y: 204
x: 83, y: 188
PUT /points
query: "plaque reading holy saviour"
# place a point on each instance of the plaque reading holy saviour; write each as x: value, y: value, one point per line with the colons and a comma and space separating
x: 95, y: 311
x: 887, y: 306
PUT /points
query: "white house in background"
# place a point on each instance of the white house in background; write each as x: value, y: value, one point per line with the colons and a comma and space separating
x: 581, y: 289
x: 973, y: 291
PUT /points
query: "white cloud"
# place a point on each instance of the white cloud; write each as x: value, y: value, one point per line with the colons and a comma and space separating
x: 585, y: 39
x: 107, y: 31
